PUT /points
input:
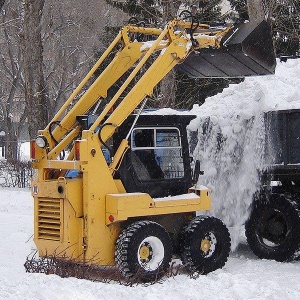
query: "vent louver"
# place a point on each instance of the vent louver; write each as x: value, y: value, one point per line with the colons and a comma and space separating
x: 49, y: 219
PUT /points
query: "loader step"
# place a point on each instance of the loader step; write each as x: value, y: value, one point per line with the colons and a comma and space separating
x: 189, y: 196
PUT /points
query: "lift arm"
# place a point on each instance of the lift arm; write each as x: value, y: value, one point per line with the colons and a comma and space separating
x: 174, y: 46
x: 175, y: 42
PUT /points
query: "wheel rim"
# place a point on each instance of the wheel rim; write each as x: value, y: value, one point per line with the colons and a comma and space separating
x: 151, y: 253
x: 208, y: 244
x: 205, y: 245
x: 273, y: 229
x: 145, y: 252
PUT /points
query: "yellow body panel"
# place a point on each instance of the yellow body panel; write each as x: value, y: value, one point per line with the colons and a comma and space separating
x: 120, y: 207
x: 58, y: 217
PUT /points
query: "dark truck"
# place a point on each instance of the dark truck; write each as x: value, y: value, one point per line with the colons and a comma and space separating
x: 273, y: 228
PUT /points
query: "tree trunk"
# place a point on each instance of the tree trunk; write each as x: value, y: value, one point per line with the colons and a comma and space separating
x: 168, y: 91
x: 255, y: 10
x: 168, y: 84
x: 32, y: 50
x: 11, y: 142
x: 1, y: 4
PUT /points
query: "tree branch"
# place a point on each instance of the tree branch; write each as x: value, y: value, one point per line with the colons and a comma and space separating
x: 1, y: 4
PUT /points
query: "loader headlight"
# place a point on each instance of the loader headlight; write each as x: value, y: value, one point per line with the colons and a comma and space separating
x: 41, y: 141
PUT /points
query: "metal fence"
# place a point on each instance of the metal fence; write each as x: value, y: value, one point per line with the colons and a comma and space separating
x: 15, y: 173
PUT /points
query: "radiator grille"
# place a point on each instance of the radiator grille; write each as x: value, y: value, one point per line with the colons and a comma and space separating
x: 49, y: 219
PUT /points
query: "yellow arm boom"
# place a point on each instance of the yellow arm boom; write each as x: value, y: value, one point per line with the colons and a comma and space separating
x: 174, y: 46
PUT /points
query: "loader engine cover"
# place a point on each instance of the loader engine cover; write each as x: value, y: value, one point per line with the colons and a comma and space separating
x: 247, y: 50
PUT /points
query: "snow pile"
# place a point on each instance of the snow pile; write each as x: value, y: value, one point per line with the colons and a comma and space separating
x: 231, y: 137
x: 257, y: 94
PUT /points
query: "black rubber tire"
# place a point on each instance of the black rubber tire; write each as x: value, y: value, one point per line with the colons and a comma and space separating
x: 201, y: 232
x: 273, y: 228
x: 145, y: 236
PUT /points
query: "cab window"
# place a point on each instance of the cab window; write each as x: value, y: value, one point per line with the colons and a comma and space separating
x: 157, y: 153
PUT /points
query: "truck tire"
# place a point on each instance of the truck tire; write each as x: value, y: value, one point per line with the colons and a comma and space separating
x: 273, y: 229
x: 205, y: 244
x: 143, y: 249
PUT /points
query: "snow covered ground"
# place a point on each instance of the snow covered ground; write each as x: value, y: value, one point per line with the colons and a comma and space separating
x: 243, y: 277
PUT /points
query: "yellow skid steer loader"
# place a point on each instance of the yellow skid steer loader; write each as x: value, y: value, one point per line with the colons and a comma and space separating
x: 115, y: 187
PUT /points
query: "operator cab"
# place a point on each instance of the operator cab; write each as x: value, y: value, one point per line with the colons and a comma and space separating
x: 158, y: 161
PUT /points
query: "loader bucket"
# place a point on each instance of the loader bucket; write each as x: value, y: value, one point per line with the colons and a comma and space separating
x: 247, y: 50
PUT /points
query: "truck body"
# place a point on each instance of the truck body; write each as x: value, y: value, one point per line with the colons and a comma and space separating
x: 273, y: 229
x: 118, y: 211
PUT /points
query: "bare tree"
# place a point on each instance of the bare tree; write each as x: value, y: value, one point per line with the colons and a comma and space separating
x: 168, y: 84
x: 1, y: 4
x: 57, y: 40
x: 11, y: 87
x: 49, y: 45
x: 32, y: 51
x: 285, y: 16
x: 71, y: 33
x: 255, y: 10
